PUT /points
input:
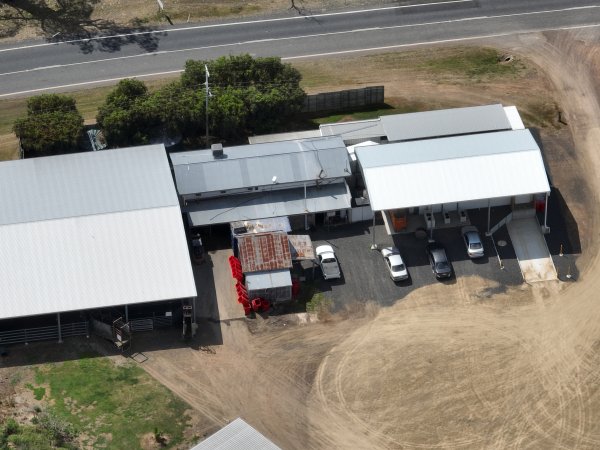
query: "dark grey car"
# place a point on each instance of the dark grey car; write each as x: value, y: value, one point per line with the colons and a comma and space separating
x: 440, y: 264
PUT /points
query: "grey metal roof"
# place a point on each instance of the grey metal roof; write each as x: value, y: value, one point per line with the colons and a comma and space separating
x: 360, y: 129
x: 81, y: 184
x: 91, y: 230
x: 276, y: 137
x: 289, y: 202
x: 445, y: 148
x: 445, y: 122
x: 237, y: 435
x: 256, y: 165
x: 268, y: 279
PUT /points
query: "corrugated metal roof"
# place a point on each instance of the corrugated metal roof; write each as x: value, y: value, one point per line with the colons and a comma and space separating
x: 360, y: 129
x: 301, y: 247
x: 289, y: 202
x: 445, y: 122
x: 118, y: 239
x: 237, y: 435
x: 276, y: 137
x: 266, y: 251
x: 256, y: 165
x: 262, y: 225
x: 257, y: 281
x: 80, y: 184
x: 452, y: 169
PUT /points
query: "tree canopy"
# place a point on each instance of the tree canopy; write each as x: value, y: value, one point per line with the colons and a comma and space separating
x: 129, y: 116
x: 247, y: 96
x: 52, y: 125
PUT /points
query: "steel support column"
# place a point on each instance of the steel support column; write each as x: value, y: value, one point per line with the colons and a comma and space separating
x: 373, y: 244
x: 59, y: 329
x: 489, y: 214
x: 546, y: 214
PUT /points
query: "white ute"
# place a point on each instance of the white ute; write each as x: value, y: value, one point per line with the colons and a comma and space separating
x: 328, y: 262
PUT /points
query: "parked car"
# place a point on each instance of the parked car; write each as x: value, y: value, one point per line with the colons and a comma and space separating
x: 440, y: 264
x: 472, y: 241
x: 395, y: 264
x: 328, y: 262
x: 197, y: 250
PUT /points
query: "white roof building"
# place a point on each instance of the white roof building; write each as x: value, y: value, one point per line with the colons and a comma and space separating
x: 237, y: 435
x: 91, y: 230
x: 452, y: 170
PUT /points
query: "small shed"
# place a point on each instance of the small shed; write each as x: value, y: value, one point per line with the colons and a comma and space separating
x: 266, y: 261
x: 273, y: 285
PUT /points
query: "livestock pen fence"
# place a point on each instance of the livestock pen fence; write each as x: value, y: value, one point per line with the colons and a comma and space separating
x: 347, y: 99
x: 48, y: 333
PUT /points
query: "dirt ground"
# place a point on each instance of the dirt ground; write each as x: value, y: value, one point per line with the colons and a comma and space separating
x: 441, y: 369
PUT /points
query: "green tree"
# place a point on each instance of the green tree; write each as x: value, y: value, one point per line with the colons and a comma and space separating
x: 268, y: 89
x: 129, y: 116
x: 52, y: 125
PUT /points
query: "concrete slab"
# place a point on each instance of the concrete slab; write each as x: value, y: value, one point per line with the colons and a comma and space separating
x: 531, y: 250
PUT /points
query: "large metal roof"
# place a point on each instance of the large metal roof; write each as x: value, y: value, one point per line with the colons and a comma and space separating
x: 238, y: 435
x: 289, y: 202
x: 454, y: 169
x: 90, y: 230
x: 80, y: 184
x: 445, y: 122
x: 257, y: 165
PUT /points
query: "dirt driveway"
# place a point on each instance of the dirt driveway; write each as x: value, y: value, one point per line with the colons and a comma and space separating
x: 439, y: 369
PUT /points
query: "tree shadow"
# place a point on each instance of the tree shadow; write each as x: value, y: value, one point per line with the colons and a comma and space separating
x: 71, y: 21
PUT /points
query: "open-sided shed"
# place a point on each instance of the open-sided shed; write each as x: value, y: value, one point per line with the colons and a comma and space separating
x: 90, y: 230
x: 455, y: 173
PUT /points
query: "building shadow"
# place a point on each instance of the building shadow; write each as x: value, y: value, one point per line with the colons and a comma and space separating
x: 564, y: 231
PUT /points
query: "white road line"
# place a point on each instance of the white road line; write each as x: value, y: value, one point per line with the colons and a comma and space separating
x: 314, y: 55
x: 257, y: 41
x: 230, y: 24
x: 441, y: 41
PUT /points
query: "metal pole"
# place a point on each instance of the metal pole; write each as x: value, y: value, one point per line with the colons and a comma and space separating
x: 194, y: 310
x: 306, y: 210
x: 489, y: 214
x: 373, y: 244
x: 206, y: 107
x: 126, y: 314
x: 546, y: 213
x: 59, y: 329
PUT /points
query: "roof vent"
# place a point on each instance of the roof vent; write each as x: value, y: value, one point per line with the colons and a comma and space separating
x: 217, y: 150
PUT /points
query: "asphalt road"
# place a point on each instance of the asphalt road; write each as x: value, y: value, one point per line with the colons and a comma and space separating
x: 38, y: 66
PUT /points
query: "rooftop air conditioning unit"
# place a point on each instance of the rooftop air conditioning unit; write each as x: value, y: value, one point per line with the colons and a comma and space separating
x: 217, y: 150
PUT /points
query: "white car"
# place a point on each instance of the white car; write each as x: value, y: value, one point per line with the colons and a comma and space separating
x: 395, y: 264
x: 328, y: 262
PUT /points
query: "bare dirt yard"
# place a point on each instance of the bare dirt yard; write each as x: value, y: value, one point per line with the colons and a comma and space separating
x: 441, y: 368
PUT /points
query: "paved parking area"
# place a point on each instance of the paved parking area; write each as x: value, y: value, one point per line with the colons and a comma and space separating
x: 365, y: 275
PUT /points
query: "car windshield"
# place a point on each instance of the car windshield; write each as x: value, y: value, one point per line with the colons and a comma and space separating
x: 328, y: 260
x: 398, y: 268
x: 475, y: 246
x: 441, y: 266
